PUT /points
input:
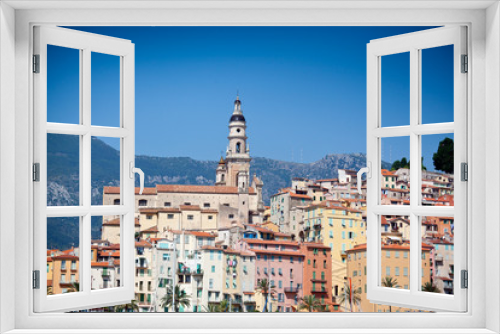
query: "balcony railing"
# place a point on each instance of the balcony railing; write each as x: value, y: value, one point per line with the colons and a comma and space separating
x: 291, y: 289
x: 318, y: 290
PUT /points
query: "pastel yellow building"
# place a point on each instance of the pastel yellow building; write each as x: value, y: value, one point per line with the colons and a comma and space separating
x: 338, y: 227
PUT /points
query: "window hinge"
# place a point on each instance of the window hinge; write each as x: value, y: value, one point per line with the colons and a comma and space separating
x: 464, y: 171
x: 36, y: 279
x: 36, y: 172
x: 36, y: 63
x: 465, y: 279
x: 465, y: 64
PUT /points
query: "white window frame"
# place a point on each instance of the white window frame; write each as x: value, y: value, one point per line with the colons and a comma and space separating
x: 15, y: 45
x: 413, y: 43
x: 85, y: 43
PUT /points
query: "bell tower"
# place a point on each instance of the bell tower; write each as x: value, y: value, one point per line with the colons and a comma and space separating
x: 238, y: 152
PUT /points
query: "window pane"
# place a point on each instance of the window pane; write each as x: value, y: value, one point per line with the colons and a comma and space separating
x: 395, y: 252
x: 437, y: 254
x: 105, y: 90
x: 395, y: 86
x: 63, y: 254
x: 63, y: 85
x: 105, y: 258
x: 395, y: 178
x: 437, y: 84
x: 437, y: 173
x: 63, y: 170
x: 105, y: 167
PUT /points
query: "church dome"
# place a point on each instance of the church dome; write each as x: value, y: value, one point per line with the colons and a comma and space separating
x: 237, y: 118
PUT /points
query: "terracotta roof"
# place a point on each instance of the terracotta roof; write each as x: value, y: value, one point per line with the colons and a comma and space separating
x: 327, y: 180
x: 175, y: 188
x: 294, y: 195
x: 270, y: 242
x: 49, y: 259
x: 248, y: 293
x: 277, y: 252
x: 151, y: 229
x: 110, y: 253
x: 116, y: 222
x: 385, y: 172
x: 210, y: 211
x: 65, y: 257
x: 142, y: 243
x: 49, y: 282
x: 397, y: 190
x: 315, y: 245
x: 156, y: 210
x: 202, y: 234
x: 100, y: 264
x: 189, y: 207
x: 195, y: 233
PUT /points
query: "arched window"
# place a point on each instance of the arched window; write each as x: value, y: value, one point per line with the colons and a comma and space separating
x: 222, y: 177
x: 238, y: 147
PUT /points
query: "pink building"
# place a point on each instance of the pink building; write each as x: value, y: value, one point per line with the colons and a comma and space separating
x: 281, y: 263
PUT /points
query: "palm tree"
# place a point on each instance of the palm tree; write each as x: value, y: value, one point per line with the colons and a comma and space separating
x: 180, y: 299
x: 214, y: 308
x: 130, y: 307
x: 224, y: 306
x: 266, y: 288
x: 390, y: 282
x: 352, y: 298
x: 75, y: 287
x: 430, y: 287
x: 310, y: 303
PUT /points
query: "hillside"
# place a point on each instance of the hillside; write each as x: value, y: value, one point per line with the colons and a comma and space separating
x: 63, y: 175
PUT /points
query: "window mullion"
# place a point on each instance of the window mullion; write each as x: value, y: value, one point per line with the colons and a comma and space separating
x: 414, y: 171
x: 85, y: 167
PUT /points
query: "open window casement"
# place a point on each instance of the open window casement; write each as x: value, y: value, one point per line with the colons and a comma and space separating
x: 77, y: 287
x: 416, y: 44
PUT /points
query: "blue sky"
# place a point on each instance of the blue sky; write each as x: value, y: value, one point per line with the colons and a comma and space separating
x: 303, y: 89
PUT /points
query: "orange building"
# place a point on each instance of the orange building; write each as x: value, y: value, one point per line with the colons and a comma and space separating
x: 395, y: 264
x: 65, y: 272
x: 317, y: 276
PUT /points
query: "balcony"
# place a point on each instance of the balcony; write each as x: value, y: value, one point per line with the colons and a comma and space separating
x: 306, y: 228
x: 321, y: 280
x: 439, y: 258
x: 318, y: 290
x: 290, y: 289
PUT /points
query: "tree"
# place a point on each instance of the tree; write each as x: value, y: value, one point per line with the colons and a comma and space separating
x: 216, y: 308
x: 430, y: 287
x: 390, y: 282
x: 130, y: 307
x: 353, y: 298
x: 75, y: 287
x: 404, y: 163
x: 443, y: 158
x: 396, y: 165
x: 181, y: 298
x: 266, y: 289
x: 310, y: 303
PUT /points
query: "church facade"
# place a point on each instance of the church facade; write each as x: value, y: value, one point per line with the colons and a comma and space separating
x: 235, y: 199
